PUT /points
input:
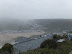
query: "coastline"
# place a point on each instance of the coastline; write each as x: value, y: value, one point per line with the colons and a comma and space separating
x: 11, y: 37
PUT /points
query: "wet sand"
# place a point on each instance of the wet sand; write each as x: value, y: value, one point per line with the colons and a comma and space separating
x: 10, y: 37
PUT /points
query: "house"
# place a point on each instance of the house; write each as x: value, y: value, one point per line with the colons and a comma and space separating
x: 70, y: 36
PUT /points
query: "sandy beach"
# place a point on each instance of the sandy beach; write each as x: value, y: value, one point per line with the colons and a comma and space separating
x: 10, y: 37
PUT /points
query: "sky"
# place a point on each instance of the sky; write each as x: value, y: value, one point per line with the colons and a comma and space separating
x: 36, y: 9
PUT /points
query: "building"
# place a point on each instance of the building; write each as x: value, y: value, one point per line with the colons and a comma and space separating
x: 70, y: 36
x: 60, y: 40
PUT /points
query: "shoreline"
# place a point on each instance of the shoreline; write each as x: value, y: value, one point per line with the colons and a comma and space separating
x: 11, y: 37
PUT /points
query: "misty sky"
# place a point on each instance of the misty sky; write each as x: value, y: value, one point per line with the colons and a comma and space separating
x: 32, y: 9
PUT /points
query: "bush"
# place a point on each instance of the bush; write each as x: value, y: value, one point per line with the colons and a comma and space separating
x: 55, y: 36
x: 7, y: 48
x: 4, y: 52
x: 62, y: 48
x: 64, y: 36
x: 38, y: 51
x: 49, y: 43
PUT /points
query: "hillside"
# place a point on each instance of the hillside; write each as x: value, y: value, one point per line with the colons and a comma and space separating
x: 55, y: 25
x: 48, y: 25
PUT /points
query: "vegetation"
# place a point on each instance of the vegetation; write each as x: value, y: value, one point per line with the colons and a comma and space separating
x: 64, y: 36
x: 49, y: 43
x: 45, y: 48
x: 7, y: 49
x: 55, y: 36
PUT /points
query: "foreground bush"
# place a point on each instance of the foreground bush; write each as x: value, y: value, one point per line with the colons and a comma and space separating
x: 49, y: 43
x: 38, y: 51
x: 7, y: 49
x: 62, y: 48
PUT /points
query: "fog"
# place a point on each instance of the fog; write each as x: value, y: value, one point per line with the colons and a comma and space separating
x: 36, y: 9
x: 15, y: 13
x: 16, y: 18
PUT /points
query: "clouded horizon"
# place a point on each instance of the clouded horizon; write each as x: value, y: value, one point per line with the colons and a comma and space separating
x: 36, y: 9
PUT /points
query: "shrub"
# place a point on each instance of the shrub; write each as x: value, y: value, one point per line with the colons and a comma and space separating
x: 55, y: 36
x: 62, y: 48
x: 49, y: 43
x: 64, y: 36
x: 7, y: 48
x: 4, y: 52
x: 38, y: 51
